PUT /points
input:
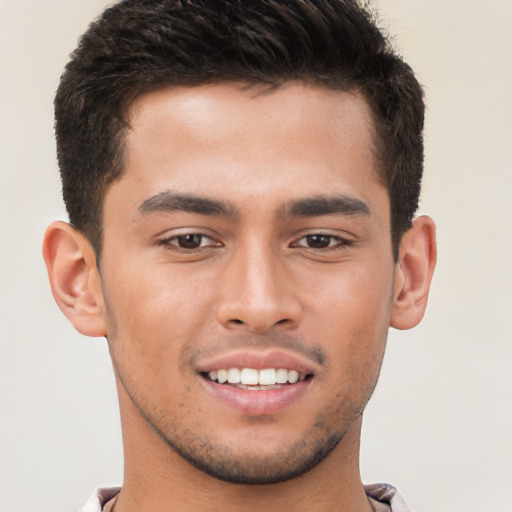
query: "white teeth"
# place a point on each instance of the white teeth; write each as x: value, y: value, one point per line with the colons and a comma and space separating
x: 267, y: 377
x: 222, y: 376
x: 253, y: 377
x: 249, y: 376
x: 293, y: 376
x: 234, y: 376
x: 282, y: 376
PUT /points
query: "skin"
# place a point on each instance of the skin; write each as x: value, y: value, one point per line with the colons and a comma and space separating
x: 260, y: 276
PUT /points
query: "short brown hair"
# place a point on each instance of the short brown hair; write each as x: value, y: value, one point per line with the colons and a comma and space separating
x: 138, y: 46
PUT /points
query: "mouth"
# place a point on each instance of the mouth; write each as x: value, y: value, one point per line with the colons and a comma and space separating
x: 254, y: 379
x: 257, y: 383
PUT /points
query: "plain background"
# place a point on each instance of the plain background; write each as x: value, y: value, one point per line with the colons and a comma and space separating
x: 439, y: 426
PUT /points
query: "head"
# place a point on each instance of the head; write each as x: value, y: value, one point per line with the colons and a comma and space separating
x: 140, y: 46
x: 248, y: 172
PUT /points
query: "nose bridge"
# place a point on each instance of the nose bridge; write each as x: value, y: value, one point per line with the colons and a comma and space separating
x: 257, y: 292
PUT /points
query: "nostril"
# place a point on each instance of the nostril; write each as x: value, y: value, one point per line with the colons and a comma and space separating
x: 237, y: 321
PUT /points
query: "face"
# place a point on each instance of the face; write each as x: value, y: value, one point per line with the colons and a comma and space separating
x: 247, y: 274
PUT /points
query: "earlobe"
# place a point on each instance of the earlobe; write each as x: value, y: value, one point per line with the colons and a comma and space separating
x: 413, y: 275
x: 74, y: 278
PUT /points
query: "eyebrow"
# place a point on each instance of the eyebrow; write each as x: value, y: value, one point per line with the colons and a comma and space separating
x: 170, y: 202
x: 325, y: 205
x: 306, y: 207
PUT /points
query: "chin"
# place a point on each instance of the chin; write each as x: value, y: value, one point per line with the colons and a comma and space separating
x: 243, y: 465
x: 258, y: 470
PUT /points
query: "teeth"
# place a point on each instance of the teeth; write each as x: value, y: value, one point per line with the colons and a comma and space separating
x: 267, y: 377
x: 253, y: 377
x: 249, y: 376
x: 282, y: 376
x: 293, y: 377
x: 234, y: 376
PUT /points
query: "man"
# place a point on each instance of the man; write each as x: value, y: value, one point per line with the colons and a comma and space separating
x: 241, y: 180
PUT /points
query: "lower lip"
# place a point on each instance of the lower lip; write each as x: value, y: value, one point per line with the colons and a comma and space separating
x: 260, y: 402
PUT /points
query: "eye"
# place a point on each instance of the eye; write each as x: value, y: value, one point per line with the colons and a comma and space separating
x: 319, y: 241
x: 188, y: 242
x: 191, y: 241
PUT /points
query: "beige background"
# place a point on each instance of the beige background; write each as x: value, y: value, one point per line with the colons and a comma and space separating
x: 440, y: 424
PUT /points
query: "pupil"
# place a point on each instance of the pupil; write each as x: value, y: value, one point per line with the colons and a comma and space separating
x: 318, y: 241
x: 189, y: 241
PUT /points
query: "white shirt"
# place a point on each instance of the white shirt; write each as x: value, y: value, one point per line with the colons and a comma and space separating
x: 383, y: 497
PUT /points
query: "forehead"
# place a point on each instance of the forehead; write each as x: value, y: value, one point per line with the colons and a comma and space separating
x: 200, y: 105
x: 232, y: 141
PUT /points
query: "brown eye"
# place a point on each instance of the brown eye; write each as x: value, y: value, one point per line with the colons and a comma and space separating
x: 322, y: 242
x: 188, y: 242
x: 318, y: 241
x: 191, y: 241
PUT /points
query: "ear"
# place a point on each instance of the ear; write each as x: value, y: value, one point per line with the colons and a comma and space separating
x: 74, y: 278
x: 413, y: 273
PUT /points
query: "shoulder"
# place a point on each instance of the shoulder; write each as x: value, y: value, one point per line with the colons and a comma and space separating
x: 99, y: 498
x: 387, y: 495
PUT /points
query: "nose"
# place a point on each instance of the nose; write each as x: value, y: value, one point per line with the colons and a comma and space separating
x: 257, y: 293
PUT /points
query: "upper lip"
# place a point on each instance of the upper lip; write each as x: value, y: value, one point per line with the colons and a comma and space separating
x: 259, y: 360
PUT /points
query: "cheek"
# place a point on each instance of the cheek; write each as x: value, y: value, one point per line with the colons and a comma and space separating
x: 152, y: 298
x: 354, y: 297
x: 352, y: 321
x: 157, y: 319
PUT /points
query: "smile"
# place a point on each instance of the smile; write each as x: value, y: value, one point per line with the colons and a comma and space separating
x: 257, y: 382
x: 254, y: 379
